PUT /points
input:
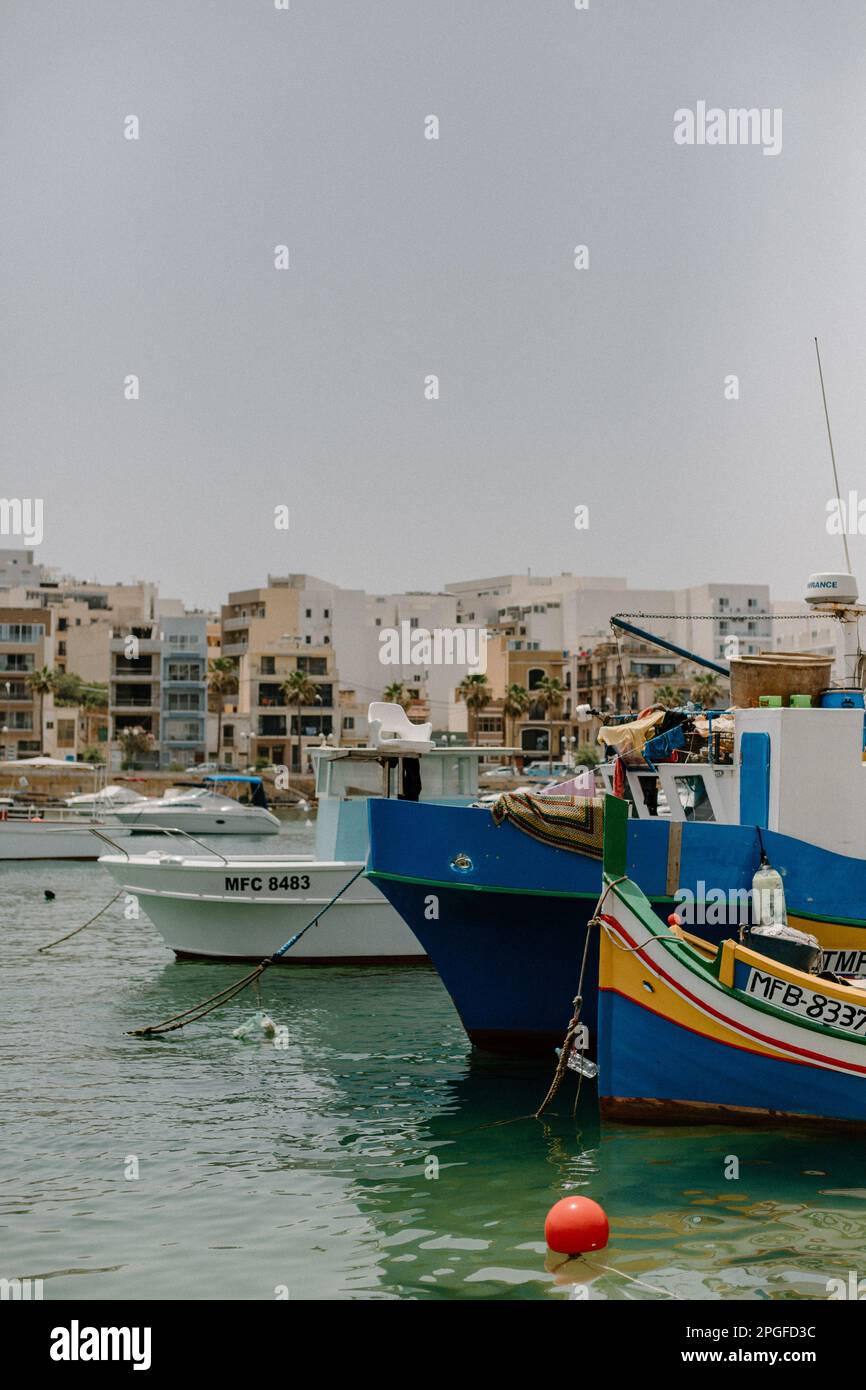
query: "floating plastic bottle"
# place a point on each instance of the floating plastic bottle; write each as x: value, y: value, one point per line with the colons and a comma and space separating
x: 579, y: 1062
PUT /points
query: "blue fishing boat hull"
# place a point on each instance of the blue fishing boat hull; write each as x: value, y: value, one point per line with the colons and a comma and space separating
x: 761, y: 1087
x: 503, y: 917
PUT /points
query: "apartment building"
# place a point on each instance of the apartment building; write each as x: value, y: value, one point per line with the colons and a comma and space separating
x: 18, y: 567
x: 134, y: 690
x: 271, y: 632
x: 573, y: 612
x: 510, y: 661
x: 158, y: 689
x: 299, y: 614
x: 70, y: 731
x: 26, y: 645
x: 183, y: 690
x: 84, y: 615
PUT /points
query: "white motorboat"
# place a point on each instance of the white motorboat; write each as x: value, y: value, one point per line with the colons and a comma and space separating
x: 105, y: 799
x: 204, y: 809
x: 69, y: 832
x: 233, y: 907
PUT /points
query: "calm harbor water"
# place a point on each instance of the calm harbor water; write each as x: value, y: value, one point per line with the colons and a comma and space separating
x: 312, y: 1168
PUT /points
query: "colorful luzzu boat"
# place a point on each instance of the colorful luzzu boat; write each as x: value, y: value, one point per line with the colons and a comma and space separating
x: 502, y: 913
x: 687, y: 1032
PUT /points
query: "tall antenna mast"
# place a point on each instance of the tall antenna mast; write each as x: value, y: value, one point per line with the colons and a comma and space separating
x: 832, y: 453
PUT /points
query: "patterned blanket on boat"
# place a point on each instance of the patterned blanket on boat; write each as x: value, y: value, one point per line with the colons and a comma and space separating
x: 567, y: 822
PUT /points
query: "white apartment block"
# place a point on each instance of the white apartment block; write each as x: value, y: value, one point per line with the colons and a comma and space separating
x: 573, y: 612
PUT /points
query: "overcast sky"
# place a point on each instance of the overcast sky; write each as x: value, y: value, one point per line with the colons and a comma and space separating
x: 410, y: 257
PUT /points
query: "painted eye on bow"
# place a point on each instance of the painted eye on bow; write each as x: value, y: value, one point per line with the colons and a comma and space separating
x: 462, y: 863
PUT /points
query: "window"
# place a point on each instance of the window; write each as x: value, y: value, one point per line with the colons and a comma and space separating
x: 21, y: 632
x: 184, y: 699
x: 271, y: 724
x: 62, y: 624
x: 268, y: 666
x: 349, y: 722
x: 228, y: 735
x: 182, y: 731
x: 326, y: 612
x: 308, y: 612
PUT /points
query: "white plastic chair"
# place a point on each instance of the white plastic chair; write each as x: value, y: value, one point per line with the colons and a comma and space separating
x: 391, y: 728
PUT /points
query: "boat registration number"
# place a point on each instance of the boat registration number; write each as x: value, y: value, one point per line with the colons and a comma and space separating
x: 807, y: 1003
x: 292, y: 883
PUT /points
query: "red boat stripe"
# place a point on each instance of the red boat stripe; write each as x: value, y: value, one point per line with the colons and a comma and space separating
x: 707, y: 1008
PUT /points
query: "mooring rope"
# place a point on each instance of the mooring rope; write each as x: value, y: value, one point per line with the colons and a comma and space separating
x: 206, y: 1006
x: 565, y: 1051
x: 70, y: 934
x: 596, y: 1264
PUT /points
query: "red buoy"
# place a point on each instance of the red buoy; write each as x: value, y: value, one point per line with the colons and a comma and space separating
x: 673, y: 920
x: 575, y: 1225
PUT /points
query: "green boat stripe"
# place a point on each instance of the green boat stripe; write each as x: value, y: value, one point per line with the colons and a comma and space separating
x: 433, y: 883
x: 555, y: 893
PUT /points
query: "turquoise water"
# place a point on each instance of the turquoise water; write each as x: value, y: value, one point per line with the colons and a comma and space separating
x: 310, y: 1169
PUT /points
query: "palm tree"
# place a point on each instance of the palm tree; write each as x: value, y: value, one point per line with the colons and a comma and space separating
x: 515, y: 703
x: 476, y: 694
x: 299, y: 690
x: 549, y: 694
x: 222, y: 680
x: 666, y: 695
x: 397, y: 694
x: 41, y: 683
x: 706, y: 690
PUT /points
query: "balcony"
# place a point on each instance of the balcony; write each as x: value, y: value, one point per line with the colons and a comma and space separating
x: 134, y: 673
x: 147, y: 646
x: 132, y: 702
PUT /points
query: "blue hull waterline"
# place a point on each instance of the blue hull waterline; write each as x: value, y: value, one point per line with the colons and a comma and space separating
x: 503, y: 917
x: 639, y: 1065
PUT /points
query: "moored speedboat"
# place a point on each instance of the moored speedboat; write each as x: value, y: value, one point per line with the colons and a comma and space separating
x: 692, y: 1033
x: 204, y: 810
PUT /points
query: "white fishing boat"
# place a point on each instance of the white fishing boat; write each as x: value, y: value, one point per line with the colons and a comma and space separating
x: 232, y: 907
